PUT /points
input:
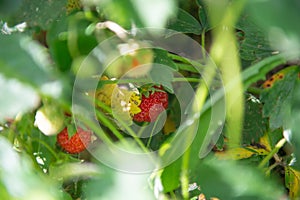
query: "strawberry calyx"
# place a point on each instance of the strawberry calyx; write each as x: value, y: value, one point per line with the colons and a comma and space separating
x: 149, y: 89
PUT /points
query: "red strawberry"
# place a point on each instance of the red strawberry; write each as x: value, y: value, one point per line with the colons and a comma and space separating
x: 77, y: 143
x: 152, y: 105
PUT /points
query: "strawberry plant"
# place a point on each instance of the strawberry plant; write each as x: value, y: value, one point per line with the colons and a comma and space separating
x: 156, y: 99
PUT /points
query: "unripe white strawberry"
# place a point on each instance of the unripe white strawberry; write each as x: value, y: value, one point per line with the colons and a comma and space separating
x: 49, y: 119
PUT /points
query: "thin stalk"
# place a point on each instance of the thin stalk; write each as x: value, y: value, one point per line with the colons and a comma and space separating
x: 200, y: 96
x: 73, y: 35
x: 178, y: 58
x: 96, y: 129
x: 109, y: 125
x: 145, y: 80
x: 173, y: 195
x: 132, y: 133
x: 268, y: 172
x: 184, y: 177
x: 125, y: 125
x: 203, y: 45
x: 141, y: 130
x: 278, y: 146
x: 151, y: 135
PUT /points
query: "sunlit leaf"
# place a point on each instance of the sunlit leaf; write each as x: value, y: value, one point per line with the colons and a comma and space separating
x: 294, y: 138
x: 292, y: 181
x: 241, y: 153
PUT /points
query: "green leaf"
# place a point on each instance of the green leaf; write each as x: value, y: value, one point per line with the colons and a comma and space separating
x: 228, y: 180
x: 23, y: 59
x: 197, y: 136
x: 161, y: 57
x: 254, y: 124
x: 294, y: 124
x: 277, y: 98
x: 58, y: 44
x: 185, y: 23
x: 279, y: 23
x: 8, y: 6
x: 254, y: 45
x: 71, y: 130
x: 202, y: 13
x: 292, y: 181
x: 31, y: 184
x: 39, y: 12
x: 259, y: 70
x: 162, y: 74
x: 67, y: 38
x: 274, y: 136
x: 170, y: 177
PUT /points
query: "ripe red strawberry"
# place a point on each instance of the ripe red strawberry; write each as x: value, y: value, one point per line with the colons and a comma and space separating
x: 152, y: 105
x: 77, y: 143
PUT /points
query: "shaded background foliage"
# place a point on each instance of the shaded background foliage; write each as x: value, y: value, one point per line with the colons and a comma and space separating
x: 38, y: 63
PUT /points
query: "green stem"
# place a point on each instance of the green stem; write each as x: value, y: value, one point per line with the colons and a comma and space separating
x: 123, y: 124
x: 73, y: 34
x: 132, y: 133
x: 268, y: 172
x: 191, y: 80
x: 109, y: 125
x: 223, y: 48
x: 151, y: 135
x: 102, y: 135
x: 203, y: 44
x: 173, y: 195
x: 278, y: 146
x: 178, y: 58
x: 141, y: 130
x: 145, y: 80
x: 184, y: 178
x: 186, y: 67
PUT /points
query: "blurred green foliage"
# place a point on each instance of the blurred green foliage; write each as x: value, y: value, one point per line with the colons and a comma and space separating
x: 40, y: 63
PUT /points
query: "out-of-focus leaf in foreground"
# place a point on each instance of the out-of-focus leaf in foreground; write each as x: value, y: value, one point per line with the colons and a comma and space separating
x: 19, y: 180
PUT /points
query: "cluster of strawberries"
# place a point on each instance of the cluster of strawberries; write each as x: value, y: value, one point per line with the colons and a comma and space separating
x: 145, y: 106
